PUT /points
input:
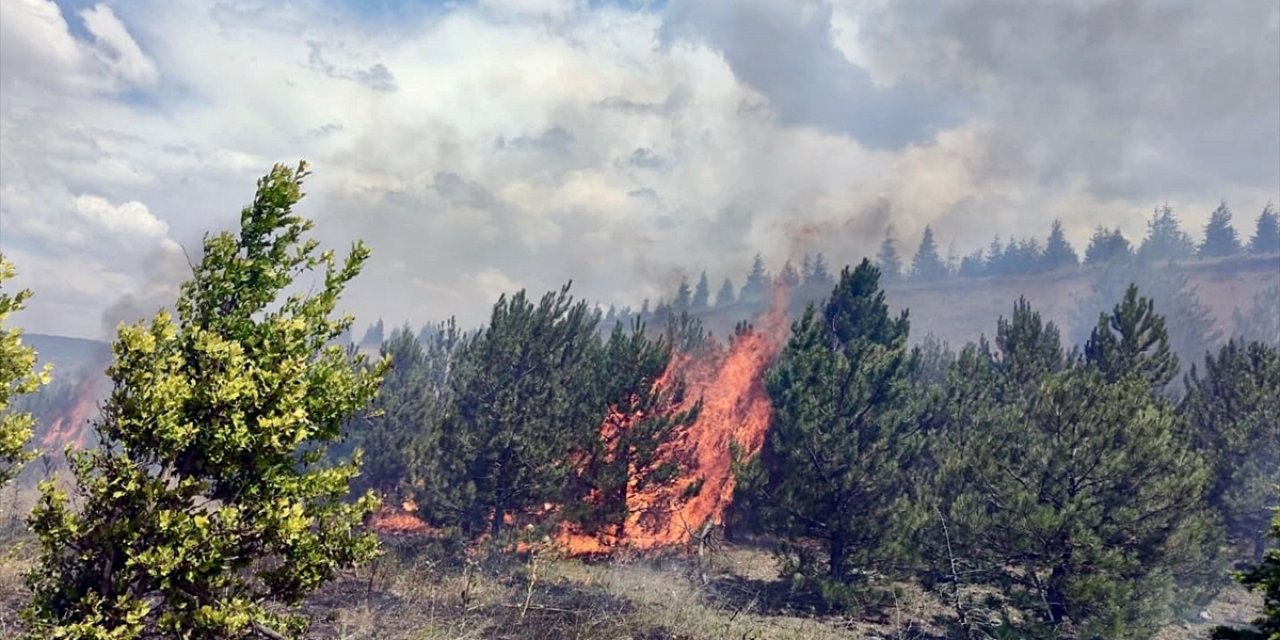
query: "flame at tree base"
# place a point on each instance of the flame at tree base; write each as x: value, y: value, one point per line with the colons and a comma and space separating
x: 735, y: 409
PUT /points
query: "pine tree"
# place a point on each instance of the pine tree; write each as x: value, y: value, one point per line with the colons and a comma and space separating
x: 995, y: 257
x: 756, y: 289
x: 385, y: 432
x: 1107, y: 246
x: 789, y: 277
x: 1030, y: 349
x: 887, y: 260
x: 701, y: 293
x: 1132, y: 340
x: 1266, y: 236
x: 684, y: 296
x: 820, y: 279
x: 523, y: 400
x: 1264, y: 578
x: 973, y: 265
x: 17, y: 377
x: 1075, y: 502
x: 934, y: 359
x: 831, y: 469
x: 1233, y: 411
x: 1190, y: 324
x: 1058, y: 253
x: 1023, y: 257
x: 952, y: 262
x: 725, y: 297
x: 1165, y: 239
x: 204, y: 513
x: 374, y: 336
x: 417, y: 406
x: 926, y: 266
x: 640, y: 419
x: 1220, y: 239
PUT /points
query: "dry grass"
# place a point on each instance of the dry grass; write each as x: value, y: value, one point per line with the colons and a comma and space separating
x: 410, y: 594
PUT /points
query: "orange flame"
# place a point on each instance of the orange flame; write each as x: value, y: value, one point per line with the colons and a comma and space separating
x: 735, y: 408
x: 72, y: 427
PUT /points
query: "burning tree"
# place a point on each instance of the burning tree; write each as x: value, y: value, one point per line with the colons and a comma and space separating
x: 16, y: 377
x: 522, y: 400
x: 644, y: 413
x: 204, y: 503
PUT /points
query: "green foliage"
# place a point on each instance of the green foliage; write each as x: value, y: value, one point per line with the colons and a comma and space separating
x: 686, y: 334
x: 1220, y: 238
x: 1233, y: 412
x: 926, y: 266
x: 757, y: 286
x: 934, y: 359
x: 1030, y: 348
x: 725, y: 296
x: 1190, y: 325
x: 17, y: 377
x: 788, y: 277
x: 523, y: 404
x: 405, y: 418
x: 1080, y: 505
x: 1266, y: 235
x: 1132, y: 340
x: 1058, y: 253
x: 204, y: 514
x: 701, y: 293
x: 1265, y: 579
x: 1165, y: 238
x: 1072, y: 495
x: 831, y: 466
x: 1107, y: 247
x: 887, y: 260
x: 684, y: 296
x: 815, y: 279
x: 641, y: 417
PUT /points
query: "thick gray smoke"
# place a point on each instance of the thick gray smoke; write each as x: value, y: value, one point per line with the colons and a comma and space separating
x: 482, y: 147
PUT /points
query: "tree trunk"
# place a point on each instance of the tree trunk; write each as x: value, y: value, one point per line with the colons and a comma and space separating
x: 839, y: 554
x: 499, y: 514
x: 1055, y: 594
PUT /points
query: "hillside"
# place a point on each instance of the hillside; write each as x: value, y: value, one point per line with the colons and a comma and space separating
x: 70, y: 356
x: 960, y: 310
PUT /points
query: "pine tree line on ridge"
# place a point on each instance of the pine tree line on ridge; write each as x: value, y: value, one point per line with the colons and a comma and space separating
x: 1041, y: 486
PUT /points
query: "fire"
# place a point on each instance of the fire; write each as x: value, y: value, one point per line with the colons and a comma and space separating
x: 389, y: 521
x: 735, y: 409
x: 72, y: 426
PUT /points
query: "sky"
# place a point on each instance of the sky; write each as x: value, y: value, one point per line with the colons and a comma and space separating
x: 483, y: 147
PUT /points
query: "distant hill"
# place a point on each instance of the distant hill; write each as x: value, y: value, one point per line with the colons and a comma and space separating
x: 960, y: 310
x: 70, y: 356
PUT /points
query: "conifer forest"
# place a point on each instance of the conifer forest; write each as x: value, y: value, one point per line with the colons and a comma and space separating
x: 677, y: 320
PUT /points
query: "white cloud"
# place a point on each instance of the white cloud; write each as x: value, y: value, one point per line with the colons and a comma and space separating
x: 129, y: 221
x: 116, y: 49
x: 39, y: 49
x: 483, y: 146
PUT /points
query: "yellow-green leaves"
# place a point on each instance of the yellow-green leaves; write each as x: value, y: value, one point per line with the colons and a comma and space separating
x: 199, y: 506
x: 17, y: 361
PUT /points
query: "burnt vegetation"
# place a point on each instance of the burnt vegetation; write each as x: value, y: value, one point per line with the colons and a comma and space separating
x: 1102, y: 479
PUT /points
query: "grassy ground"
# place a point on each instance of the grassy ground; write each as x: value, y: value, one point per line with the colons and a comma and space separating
x: 732, y: 593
